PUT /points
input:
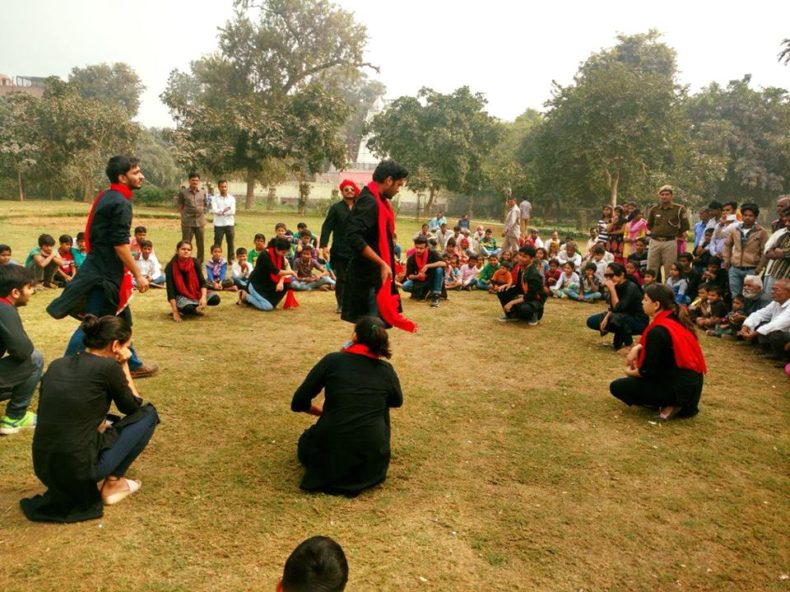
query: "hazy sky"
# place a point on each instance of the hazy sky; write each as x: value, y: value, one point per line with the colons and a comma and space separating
x: 510, y: 51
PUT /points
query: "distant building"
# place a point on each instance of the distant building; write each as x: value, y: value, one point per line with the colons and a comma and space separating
x: 32, y: 85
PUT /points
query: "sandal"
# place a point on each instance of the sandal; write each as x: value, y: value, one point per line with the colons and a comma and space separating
x: 132, y: 484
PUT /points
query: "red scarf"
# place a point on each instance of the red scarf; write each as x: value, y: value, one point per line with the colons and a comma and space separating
x: 360, y: 349
x: 688, y: 353
x: 5, y: 301
x: 190, y: 288
x: 388, y: 302
x: 125, y: 289
x: 421, y: 260
x: 278, y: 261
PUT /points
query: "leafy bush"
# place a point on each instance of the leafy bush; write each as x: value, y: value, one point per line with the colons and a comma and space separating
x: 151, y: 195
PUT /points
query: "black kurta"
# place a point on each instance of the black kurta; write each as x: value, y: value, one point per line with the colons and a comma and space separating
x: 348, y: 449
x: 102, y: 268
x: 76, y: 393
x: 261, y: 278
x: 363, y: 274
x: 17, y: 366
x: 336, y: 225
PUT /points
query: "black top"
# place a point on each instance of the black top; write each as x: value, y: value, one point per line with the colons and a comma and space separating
x: 261, y: 276
x: 17, y: 366
x: 659, y: 366
x: 534, y: 281
x: 170, y: 282
x: 363, y: 231
x: 348, y: 449
x: 411, y: 263
x: 639, y: 261
x: 629, y: 296
x: 336, y: 224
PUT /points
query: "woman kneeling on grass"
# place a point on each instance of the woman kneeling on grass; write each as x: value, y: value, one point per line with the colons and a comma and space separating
x: 187, y: 290
x: 348, y: 449
x: 270, y: 281
x: 666, y: 369
x: 76, y: 444
x: 625, y: 317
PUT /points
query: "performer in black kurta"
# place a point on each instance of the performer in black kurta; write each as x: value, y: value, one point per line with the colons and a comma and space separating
x: 335, y: 225
x: 74, y: 446
x: 523, y: 299
x: 666, y: 370
x: 348, y: 449
x: 103, y: 285
x: 269, y: 280
x: 371, y: 226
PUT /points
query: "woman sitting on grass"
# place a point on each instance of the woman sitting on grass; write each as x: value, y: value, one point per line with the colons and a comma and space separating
x: 666, y: 369
x: 625, y: 317
x: 76, y: 443
x: 187, y: 290
x: 348, y: 448
x: 271, y: 279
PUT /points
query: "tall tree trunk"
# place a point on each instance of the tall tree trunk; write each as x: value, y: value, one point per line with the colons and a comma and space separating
x: 21, y: 185
x: 431, y: 197
x: 615, y: 181
x: 271, y: 198
x: 304, y: 193
x: 419, y: 206
x: 250, y: 197
x: 87, y: 190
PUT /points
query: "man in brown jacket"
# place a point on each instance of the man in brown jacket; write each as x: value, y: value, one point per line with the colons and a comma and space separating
x: 192, y: 205
x: 744, y: 247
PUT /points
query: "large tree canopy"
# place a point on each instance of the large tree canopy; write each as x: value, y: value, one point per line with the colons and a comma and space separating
x: 261, y: 96
x: 116, y: 84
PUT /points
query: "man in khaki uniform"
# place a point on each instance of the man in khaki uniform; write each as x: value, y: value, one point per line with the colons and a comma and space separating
x: 665, y: 221
x: 192, y: 204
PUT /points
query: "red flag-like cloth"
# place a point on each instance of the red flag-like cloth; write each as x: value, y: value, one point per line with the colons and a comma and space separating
x: 388, y: 303
x: 360, y: 349
x: 688, y: 353
x: 125, y: 290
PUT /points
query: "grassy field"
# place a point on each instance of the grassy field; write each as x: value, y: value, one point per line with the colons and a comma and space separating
x: 513, y: 468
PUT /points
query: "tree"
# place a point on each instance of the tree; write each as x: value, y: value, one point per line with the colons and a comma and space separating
x: 158, y: 163
x: 19, y: 147
x: 360, y: 93
x: 234, y: 111
x: 442, y: 139
x: 784, y: 55
x: 616, y: 127
x: 116, y: 84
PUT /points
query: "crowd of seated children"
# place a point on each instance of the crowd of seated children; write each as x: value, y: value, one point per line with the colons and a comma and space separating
x: 589, y: 287
x: 305, y: 264
x: 149, y: 265
x: 187, y: 289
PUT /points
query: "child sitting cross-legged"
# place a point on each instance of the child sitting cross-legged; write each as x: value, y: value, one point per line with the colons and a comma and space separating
x: 569, y: 279
x: 715, y: 310
x: 729, y: 326
x: 241, y: 269
x: 469, y: 273
x: 304, y: 265
x: 68, y: 267
x: 503, y: 276
x: 217, y: 271
x: 452, y: 273
x: 589, y: 286
x: 649, y: 278
x: 679, y: 285
x: 149, y: 265
x: 552, y: 274
x: 484, y: 278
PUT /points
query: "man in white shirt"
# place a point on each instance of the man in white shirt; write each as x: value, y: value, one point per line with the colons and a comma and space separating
x: 443, y: 235
x: 569, y: 253
x: 726, y: 224
x: 223, y: 206
x: 525, y: 210
x: 771, y: 325
x: 512, y: 231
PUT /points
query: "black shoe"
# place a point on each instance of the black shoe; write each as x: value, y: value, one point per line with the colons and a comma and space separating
x: 435, y: 302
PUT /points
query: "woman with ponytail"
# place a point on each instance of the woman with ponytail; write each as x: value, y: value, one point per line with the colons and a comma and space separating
x: 187, y: 289
x: 666, y: 369
x: 76, y: 444
x: 348, y: 448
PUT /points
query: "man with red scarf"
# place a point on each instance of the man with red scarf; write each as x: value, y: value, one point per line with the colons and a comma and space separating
x: 102, y: 285
x: 371, y: 227
x: 424, y: 272
x: 335, y: 226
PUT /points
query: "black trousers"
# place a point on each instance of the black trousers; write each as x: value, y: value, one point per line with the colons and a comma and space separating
x: 340, y: 267
x: 526, y: 310
x: 683, y: 390
x: 774, y: 343
x: 229, y: 232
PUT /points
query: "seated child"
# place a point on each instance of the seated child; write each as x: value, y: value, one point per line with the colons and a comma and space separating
x: 140, y: 232
x: 702, y: 253
x: 541, y: 260
x: 649, y: 278
x: 452, y: 273
x: 639, y: 256
x: 693, y: 277
x: 469, y: 273
x: 306, y: 240
x: 43, y: 261
x: 730, y: 325
x: 552, y: 274
x: 217, y: 272
x: 632, y: 270
x: 5, y: 256
x: 316, y: 564
x: 568, y: 280
x: 301, y: 228
x: 67, y: 268
x: 552, y: 244
x: 717, y: 276
x: 241, y: 269
x: 257, y: 249
x: 679, y: 285
x: 488, y: 244
x: 304, y: 265
x: 716, y: 310
x: 502, y: 277
x: 149, y: 265
x: 589, y: 286
x: 79, y: 253
x: 699, y: 306
x: 484, y: 279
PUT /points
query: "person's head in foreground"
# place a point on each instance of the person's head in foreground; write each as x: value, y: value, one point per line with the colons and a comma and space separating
x: 16, y: 284
x: 108, y: 336
x: 372, y: 333
x: 316, y: 565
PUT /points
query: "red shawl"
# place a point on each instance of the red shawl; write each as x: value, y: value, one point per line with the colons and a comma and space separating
x: 125, y: 290
x: 688, y: 353
x: 360, y: 349
x: 387, y: 302
x: 421, y: 260
x: 190, y: 288
x: 278, y: 261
